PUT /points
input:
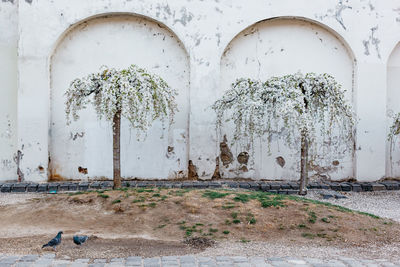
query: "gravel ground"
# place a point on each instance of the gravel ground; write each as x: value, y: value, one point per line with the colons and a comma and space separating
x: 9, y: 198
x: 382, y: 203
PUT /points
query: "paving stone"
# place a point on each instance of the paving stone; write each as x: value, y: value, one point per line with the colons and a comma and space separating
x: 187, y: 184
x: 265, y: 187
x: 205, y: 259
x: 6, y: 188
x: 151, y: 262
x: 356, y: 187
x: 51, y: 187
x: 107, y: 184
x: 274, y: 186
x: 378, y: 187
x: 42, y: 188
x: 294, y: 186
x: 9, y: 259
x: 339, y: 196
x: 214, y: 185
x: 232, y: 184
x: 324, y: 186
x: 19, y: 187
x: 285, y: 186
x: 100, y: 261
x: 254, y: 185
x: 23, y: 264
x: 187, y: 259
x: 345, y: 187
x: 366, y: 186
x: 32, y: 187
x: 273, y: 191
x: 239, y: 259
x: 199, y: 185
x: 177, y: 185
x: 64, y: 187
x: 97, y: 264
x: 283, y: 192
x: 390, y: 185
x: 83, y: 186
x: 223, y: 259
x: 28, y: 258
x: 73, y: 186
x: 292, y: 192
x: 244, y: 185
x: 335, y: 186
x: 314, y: 186
x: 95, y: 185
x: 243, y: 264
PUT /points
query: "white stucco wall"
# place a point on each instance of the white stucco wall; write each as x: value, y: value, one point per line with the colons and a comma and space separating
x: 8, y: 89
x: 118, y: 41
x: 370, y: 29
x: 393, y: 107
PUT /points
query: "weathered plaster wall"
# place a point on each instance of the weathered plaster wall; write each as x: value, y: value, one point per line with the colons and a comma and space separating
x: 393, y: 107
x: 118, y: 41
x: 8, y: 89
x: 279, y: 47
x: 370, y: 28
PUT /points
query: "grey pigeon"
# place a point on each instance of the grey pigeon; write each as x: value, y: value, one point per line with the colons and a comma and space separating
x: 79, y: 240
x: 54, y: 242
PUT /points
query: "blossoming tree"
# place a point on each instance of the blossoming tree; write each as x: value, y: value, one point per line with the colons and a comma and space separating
x: 132, y: 93
x: 302, y: 109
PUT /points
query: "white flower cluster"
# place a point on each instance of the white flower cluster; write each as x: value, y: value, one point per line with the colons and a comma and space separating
x: 141, y: 97
x: 286, y: 107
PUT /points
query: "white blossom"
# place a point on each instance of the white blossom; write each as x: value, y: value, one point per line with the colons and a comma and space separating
x: 141, y: 97
x: 286, y: 106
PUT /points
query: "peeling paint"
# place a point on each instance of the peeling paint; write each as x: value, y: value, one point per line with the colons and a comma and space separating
x: 225, y: 152
x: 280, y: 161
x: 185, y: 18
x: 17, y: 159
x: 76, y: 135
x: 217, y: 174
x: 372, y: 41
x: 10, y: 1
x: 192, y: 171
x: 82, y: 170
x: 336, y: 13
x: 29, y: 1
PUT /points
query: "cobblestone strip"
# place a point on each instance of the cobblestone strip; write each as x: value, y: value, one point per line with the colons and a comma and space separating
x: 272, y: 187
x: 191, y: 261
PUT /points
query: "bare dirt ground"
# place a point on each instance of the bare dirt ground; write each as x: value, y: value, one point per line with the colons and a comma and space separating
x: 154, y: 222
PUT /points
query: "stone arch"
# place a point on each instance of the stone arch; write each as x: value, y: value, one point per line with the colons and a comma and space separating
x: 84, y: 149
x: 281, y: 46
x: 392, y: 107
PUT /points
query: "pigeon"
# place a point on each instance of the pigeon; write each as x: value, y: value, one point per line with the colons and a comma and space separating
x: 79, y: 240
x: 54, y: 242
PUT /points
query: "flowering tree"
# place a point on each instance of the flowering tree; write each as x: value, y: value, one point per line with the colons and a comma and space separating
x: 303, y: 109
x: 132, y: 93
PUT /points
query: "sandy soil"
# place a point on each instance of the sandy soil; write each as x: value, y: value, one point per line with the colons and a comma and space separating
x: 155, y: 222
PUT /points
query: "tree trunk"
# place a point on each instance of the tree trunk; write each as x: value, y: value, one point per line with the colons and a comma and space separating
x: 117, y: 149
x: 304, y: 163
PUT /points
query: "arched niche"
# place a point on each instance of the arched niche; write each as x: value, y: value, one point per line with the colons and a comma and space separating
x: 282, y: 46
x: 86, y: 145
x: 393, y: 96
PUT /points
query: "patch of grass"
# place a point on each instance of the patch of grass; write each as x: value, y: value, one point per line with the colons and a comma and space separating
x: 368, y: 214
x: 199, y: 224
x: 228, y: 207
x: 116, y: 201
x: 156, y: 195
x: 103, y: 195
x: 242, y: 198
x: 141, y: 199
x: 308, y: 235
x: 161, y: 226
x: 214, y: 194
x: 272, y: 203
x: 236, y: 221
x: 243, y: 240
x: 163, y: 197
x: 152, y: 205
x: 213, y: 230
x: 228, y: 222
x: 301, y: 226
x: 252, y: 220
x: 312, y: 217
x: 325, y: 220
x: 234, y: 215
x: 225, y: 232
